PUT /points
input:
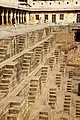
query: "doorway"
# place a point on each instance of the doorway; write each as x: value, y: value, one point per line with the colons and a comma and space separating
x: 78, y: 18
x: 53, y: 18
x: 9, y: 21
x: 45, y: 18
x: 5, y: 16
x: 77, y: 36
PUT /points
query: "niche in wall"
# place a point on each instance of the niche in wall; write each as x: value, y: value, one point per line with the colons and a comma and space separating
x: 77, y: 36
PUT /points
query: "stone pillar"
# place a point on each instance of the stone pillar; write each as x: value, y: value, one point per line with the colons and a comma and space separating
x: 20, y: 17
x: 23, y: 18
x: 2, y: 17
x: 7, y: 17
x: 11, y: 16
x: 27, y: 18
x: 15, y: 16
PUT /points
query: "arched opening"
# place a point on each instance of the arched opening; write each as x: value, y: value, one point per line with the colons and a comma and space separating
x: 13, y: 14
x: 5, y: 16
x: 9, y: 21
x: 25, y: 18
x: 19, y: 18
x: 0, y: 17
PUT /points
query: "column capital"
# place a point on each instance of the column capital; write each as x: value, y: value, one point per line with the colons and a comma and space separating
x: 7, y: 13
x: 2, y: 14
x: 20, y: 14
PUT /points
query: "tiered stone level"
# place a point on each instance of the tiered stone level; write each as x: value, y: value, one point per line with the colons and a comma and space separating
x: 38, y: 79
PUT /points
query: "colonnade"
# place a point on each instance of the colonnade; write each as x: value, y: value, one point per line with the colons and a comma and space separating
x: 6, y: 16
